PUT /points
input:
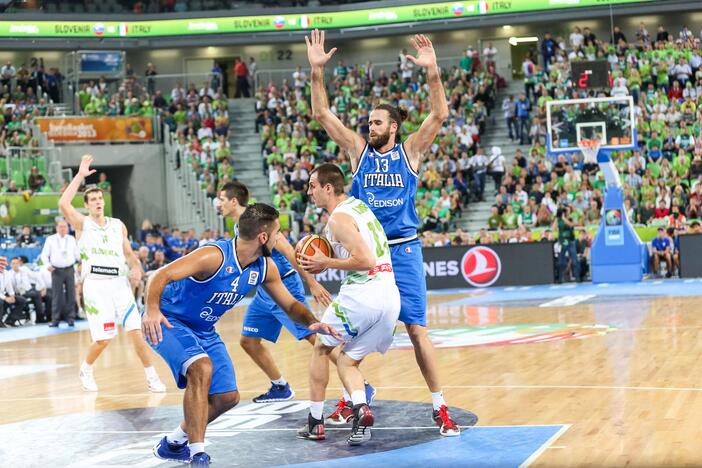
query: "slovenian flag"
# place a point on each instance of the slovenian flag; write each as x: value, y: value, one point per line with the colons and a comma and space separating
x: 304, y: 21
x: 483, y: 7
x: 123, y: 29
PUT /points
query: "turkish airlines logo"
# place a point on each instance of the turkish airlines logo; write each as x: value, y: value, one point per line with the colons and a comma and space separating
x: 481, y: 266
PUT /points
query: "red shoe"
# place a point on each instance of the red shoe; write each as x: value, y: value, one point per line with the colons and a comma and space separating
x: 362, y: 421
x: 447, y: 426
x: 341, y: 415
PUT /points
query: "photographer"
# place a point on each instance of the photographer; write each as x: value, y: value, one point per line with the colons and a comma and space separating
x: 566, y: 239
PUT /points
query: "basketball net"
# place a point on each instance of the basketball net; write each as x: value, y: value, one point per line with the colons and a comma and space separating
x: 589, y: 147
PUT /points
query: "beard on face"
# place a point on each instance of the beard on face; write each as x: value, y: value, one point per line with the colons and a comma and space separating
x: 265, y: 251
x: 379, y: 141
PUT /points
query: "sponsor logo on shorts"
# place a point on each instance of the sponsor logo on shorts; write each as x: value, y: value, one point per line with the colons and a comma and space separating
x: 108, y: 326
x: 481, y: 266
x: 251, y: 329
x: 103, y: 270
x: 253, y: 277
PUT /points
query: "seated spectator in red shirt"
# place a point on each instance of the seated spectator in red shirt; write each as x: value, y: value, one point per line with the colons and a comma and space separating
x: 662, y: 211
x: 676, y: 92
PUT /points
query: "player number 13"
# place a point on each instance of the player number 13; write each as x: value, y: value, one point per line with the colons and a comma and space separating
x: 381, y: 163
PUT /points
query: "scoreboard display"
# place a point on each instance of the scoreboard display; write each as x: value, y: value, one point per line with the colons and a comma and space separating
x: 591, y: 75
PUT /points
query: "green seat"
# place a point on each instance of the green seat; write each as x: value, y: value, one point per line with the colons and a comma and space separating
x: 3, y: 167
x: 40, y: 163
x: 19, y: 179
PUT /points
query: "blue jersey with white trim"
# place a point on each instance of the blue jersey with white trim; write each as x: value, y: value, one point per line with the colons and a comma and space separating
x: 281, y: 261
x: 388, y: 185
x: 199, y: 304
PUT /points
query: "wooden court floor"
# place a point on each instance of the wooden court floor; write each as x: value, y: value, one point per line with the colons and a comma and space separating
x: 632, y: 396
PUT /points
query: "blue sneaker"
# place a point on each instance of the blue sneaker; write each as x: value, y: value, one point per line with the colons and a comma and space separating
x: 172, y: 452
x: 276, y: 393
x: 200, y: 460
x: 370, y: 393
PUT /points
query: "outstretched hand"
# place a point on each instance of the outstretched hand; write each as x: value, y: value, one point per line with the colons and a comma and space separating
x: 315, y: 49
x: 325, y: 329
x: 426, y: 57
x: 84, y: 169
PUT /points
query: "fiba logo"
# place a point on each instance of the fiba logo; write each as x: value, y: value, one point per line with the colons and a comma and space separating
x: 481, y: 266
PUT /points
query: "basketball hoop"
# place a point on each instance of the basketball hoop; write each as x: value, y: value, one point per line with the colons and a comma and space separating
x: 589, y: 147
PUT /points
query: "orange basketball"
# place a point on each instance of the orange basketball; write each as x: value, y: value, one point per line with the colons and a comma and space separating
x: 304, y: 247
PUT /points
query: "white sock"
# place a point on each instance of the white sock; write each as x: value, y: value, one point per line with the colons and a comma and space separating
x: 437, y: 400
x: 347, y: 396
x: 150, y: 372
x: 196, y: 448
x: 280, y: 381
x: 316, y: 409
x: 358, y: 397
x: 85, y: 367
x: 177, y: 436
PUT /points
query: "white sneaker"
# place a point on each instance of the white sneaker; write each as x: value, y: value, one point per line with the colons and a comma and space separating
x: 87, y: 381
x: 156, y: 386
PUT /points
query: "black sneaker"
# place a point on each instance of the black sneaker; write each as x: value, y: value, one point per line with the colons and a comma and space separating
x: 54, y: 325
x: 362, y: 421
x: 313, y: 430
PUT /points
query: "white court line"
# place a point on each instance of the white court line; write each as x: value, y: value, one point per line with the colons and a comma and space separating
x: 408, y: 387
x: 276, y: 429
x: 541, y: 449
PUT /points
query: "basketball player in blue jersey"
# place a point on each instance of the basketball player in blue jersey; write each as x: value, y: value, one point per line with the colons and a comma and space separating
x: 264, y: 319
x: 385, y: 174
x: 188, y: 297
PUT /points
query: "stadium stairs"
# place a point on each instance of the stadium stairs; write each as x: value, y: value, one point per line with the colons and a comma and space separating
x: 475, y: 216
x: 246, y: 148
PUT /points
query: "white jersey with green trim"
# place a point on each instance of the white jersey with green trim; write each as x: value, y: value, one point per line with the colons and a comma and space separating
x: 102, y: 249
x: 374, y: 236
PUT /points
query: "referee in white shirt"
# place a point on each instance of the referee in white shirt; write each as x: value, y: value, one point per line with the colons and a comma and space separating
x: 60, y: 253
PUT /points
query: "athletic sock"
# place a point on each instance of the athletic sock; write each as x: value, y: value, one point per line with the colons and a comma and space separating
x: 196, y: 448
x: 177, y: 436
x: 150, y: 372
x: 316, y: 409
x: 85, y: 367
x: 347, y: 396
x: 437, y: 400
x: 358, y: 397
x: 280, y: 381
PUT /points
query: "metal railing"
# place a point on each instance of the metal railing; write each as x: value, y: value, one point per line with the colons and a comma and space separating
x: 188, y: 204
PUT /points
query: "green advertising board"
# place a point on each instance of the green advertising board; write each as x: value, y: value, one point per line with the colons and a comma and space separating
x: 41, y: 208
x: 288, y: 22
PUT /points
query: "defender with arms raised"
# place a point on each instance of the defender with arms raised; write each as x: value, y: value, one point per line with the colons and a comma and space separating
x: 385, y: 173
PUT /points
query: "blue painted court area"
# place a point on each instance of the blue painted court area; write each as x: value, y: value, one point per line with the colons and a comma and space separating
x: 499, y: 446
x: 669, y: 287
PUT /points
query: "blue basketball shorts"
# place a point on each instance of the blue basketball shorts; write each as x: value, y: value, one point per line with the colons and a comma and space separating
x: 182, y: 346
x: 408, y: 265
x: 264, y: 319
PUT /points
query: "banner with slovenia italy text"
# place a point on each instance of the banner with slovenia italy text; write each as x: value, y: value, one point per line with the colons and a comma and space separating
x: 115, y: 129
x: 288, y: 22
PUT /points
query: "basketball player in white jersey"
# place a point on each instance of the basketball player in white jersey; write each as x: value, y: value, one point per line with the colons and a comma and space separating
x: 368, y: 304
x: 105, y: 252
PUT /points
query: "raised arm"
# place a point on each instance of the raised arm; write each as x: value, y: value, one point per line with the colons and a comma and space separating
x: 347, y: 139
x: 293, y: 308
x: 72, y: 215
x: 319, y: 292
x: 420, y: 141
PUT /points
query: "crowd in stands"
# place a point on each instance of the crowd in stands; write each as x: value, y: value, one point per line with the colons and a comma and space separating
x: 292, y: 142
x: 661, y: 178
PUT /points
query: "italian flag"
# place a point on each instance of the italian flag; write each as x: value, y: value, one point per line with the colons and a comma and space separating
x: 304, y: 21
x: 123, y: 29
x: 483, y: 7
